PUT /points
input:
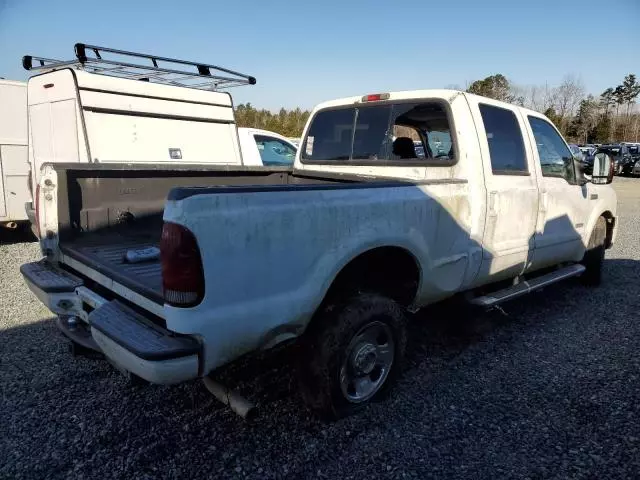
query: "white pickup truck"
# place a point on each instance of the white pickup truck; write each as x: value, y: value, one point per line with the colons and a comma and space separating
x: 173, y: 273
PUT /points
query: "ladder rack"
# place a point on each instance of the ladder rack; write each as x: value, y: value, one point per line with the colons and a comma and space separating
x: 143, y: 67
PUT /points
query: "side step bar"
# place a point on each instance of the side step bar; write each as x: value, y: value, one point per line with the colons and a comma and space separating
x: 527, y: 286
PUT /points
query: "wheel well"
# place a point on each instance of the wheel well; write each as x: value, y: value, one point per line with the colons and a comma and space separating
x: 391, y: 271
x: 610, y: 219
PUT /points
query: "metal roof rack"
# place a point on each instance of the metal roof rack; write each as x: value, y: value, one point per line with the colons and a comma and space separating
x: 147, y: 68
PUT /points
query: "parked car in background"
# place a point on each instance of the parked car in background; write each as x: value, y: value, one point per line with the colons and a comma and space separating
x: 634, y: 149
x: 265, y: 148
x: 588, y: 150
x: 621, y: 155
x: 588, y: 153
x: 576, y: 151
x: 14, y: 154
x: 192, y: 269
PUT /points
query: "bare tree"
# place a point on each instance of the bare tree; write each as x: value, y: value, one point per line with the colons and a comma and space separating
x: 538, y: 97
x: 568, y: 96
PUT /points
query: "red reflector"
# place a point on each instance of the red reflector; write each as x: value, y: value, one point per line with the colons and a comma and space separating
x: 375, y: 97
x: 182, y: 275
x: 48, y: 85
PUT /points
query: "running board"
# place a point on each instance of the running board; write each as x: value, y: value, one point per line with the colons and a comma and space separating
x: 527, y: 286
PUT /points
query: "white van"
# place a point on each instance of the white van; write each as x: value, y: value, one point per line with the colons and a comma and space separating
x: 14, y: 157
x: 102, y: 108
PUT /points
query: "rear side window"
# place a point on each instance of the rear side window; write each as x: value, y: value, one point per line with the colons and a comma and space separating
x: 504, y: 137
x: 384, y: 132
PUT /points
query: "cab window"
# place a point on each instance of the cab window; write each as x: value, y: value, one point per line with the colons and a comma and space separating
x: 399, y: 132
x: 555, y: 157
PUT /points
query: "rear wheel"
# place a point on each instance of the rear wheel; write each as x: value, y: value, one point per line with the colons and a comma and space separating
x: 594, y: 256
x: 353, y: 354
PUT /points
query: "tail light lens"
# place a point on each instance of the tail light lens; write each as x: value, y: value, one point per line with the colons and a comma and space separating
x: 182, y: 275
x: 36, y: 201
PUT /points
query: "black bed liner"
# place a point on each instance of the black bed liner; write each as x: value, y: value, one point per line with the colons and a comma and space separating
x: 104, y: 252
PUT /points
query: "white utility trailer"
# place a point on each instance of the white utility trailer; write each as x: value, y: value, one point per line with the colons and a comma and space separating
x: 116, y: 106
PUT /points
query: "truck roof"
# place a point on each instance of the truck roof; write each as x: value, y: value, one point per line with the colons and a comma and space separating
x: 447, y: 94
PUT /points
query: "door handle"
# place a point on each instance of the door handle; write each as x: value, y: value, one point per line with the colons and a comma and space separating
x: 544, y: 202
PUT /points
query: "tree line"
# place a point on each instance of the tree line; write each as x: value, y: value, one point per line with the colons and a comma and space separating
x: 286, y: 122
x: 582, y: 118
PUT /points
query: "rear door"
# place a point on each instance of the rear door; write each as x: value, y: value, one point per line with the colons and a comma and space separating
x: 512, y: 189
x: 564, y: 205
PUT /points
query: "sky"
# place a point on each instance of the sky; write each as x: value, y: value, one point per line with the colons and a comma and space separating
x: 305, y: 52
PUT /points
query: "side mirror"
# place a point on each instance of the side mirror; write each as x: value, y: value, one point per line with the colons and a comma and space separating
x: 602, y: 169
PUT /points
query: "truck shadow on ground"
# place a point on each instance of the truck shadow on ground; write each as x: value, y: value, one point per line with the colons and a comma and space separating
x: 88, y: 404
x: 21, y: 234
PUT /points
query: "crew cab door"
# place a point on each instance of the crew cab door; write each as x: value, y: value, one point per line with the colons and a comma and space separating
x: 512, y: 190
x: 564, y: 205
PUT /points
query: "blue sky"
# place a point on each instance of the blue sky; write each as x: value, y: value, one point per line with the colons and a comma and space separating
x: 305, y: 52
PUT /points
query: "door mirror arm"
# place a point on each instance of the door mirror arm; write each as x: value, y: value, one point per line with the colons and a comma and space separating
x: 581, y: 178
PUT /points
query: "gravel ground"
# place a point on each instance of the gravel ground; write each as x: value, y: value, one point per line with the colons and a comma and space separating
x: 549, y: 391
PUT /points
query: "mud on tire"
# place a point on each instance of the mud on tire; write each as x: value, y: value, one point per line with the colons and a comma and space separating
x: 594, y: 256
x: 328, y: 342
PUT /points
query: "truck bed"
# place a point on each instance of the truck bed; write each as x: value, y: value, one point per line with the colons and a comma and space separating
x: 105, y: 252
x: 105, y: 210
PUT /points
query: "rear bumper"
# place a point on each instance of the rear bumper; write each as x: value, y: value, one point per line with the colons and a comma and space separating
x: 130, y: 340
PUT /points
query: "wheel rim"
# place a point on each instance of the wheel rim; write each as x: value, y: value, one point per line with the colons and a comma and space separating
x: 368, y: 361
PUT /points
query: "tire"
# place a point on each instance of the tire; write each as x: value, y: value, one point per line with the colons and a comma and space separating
x: 343, y: 339
x: 594, y: 256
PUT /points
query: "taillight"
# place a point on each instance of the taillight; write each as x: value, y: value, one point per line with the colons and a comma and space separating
x: 36, y: 200
x: 182, y: 275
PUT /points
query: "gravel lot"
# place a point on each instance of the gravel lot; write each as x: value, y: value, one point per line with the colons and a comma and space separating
x: 550, y: 391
